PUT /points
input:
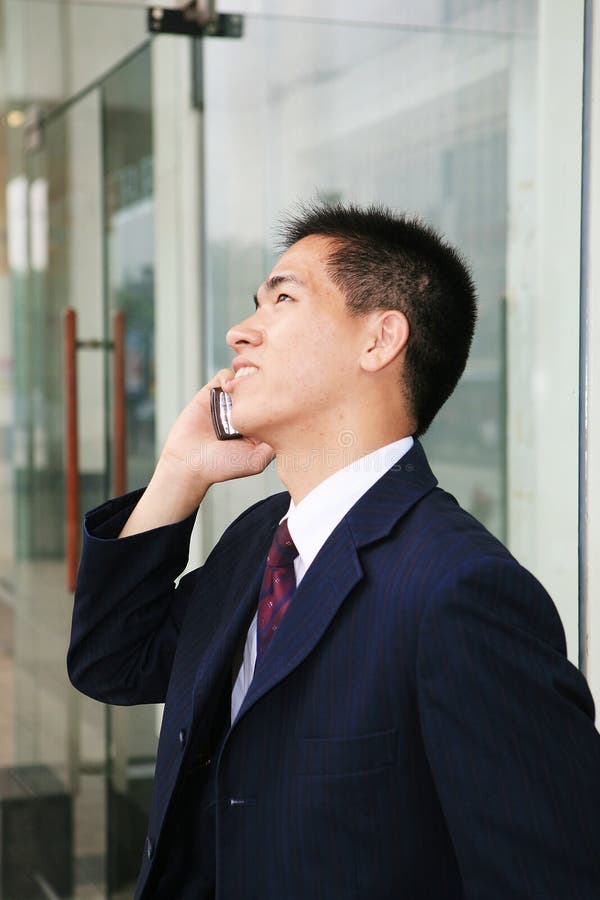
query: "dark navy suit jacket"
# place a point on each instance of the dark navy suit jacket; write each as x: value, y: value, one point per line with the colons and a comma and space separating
x: 414, y: 730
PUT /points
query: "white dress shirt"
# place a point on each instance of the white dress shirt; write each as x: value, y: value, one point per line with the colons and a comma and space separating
x: 310, y: 524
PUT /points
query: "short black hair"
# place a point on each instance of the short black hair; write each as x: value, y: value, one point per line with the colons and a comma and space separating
x: 383, y: 260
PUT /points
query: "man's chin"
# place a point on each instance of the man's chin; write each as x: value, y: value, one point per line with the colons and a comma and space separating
x: 248, y: 418
x: 249, y: 428
x: 255, y: 430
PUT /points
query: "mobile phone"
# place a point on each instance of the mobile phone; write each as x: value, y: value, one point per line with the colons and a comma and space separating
x: 220, y: 410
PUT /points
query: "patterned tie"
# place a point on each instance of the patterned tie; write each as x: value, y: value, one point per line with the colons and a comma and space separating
x: 278, y: 586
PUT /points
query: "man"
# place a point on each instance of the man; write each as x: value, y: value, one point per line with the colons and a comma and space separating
x: 376, y: 703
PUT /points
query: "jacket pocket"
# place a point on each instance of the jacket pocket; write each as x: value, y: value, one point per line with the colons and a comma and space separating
x: 347, y: 756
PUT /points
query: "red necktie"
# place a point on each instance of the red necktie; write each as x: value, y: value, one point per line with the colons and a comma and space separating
x: 278, y: 586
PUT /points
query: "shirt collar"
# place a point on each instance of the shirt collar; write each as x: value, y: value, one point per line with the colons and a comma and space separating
x: 315, y: 517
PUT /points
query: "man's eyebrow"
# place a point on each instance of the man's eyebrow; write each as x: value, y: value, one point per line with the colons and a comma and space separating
x: 275, y: 280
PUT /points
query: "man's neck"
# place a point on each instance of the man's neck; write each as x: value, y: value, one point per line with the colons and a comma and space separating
x: 301, y: 469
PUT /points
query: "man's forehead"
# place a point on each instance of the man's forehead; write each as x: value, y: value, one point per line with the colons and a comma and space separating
x: 301, y: 264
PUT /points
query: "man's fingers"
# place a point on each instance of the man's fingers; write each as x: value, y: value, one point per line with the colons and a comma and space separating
x: 260, y: 457
x: 223, y: 379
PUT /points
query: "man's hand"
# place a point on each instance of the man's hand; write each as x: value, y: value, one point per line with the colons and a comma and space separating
x: 191, y: 460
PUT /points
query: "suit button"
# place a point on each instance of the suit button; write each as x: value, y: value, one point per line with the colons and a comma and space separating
x: 149, y: 848
x: 182, y: 737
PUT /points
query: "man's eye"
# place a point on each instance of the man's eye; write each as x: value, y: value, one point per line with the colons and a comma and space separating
x: 281, y: 297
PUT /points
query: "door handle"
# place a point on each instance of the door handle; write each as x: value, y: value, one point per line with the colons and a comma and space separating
x: 71, y: 447
x: 119, y: 457
x: 119, y: 406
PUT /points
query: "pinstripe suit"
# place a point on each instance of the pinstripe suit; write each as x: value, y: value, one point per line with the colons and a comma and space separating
x: 414, y: 730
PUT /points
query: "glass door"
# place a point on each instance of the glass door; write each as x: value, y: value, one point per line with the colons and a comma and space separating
x: 89, y: 189
x: 59, y: 737
x: 412, y: 114
x: 461, y: 113
x: 131, y: 734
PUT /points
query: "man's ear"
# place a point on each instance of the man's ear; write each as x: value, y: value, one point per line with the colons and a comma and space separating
x: 388, y: 332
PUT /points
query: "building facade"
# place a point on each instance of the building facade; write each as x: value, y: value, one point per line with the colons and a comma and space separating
x: 143, y: 174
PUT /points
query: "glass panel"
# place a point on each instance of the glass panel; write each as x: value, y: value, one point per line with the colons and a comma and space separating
x: 59, y: 749
x: 128, y: 185
x: 129, y: 236
x: 85, y: 204
x: 317, y: 121
x: 436, y: 114
x: 56, y: 48
x: 493, y: 15
x: 496, y: 15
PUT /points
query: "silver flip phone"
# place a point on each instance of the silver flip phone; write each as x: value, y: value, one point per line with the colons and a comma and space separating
x: 220, y: 410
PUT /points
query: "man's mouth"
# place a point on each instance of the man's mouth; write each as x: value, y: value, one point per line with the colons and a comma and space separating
x: 245, y: 370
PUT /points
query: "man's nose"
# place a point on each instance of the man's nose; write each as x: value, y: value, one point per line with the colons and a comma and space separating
x: 243, y: 335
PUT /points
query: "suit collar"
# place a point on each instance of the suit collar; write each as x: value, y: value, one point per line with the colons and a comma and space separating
x: 323, y: 508
x: 390, y: 498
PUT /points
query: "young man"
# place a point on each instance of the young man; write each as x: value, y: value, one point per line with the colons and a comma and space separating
x: 372, y: 698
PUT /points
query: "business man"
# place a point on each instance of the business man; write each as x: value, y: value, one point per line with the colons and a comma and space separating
x: 366, y: 695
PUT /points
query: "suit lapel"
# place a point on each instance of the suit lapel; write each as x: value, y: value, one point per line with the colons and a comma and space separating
x: 328, y: 581
x: 238, y: 593
x: 337, y: 569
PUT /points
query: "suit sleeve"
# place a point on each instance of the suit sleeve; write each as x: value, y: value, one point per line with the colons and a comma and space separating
x: 509, y: 735
x: 127, y: 612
